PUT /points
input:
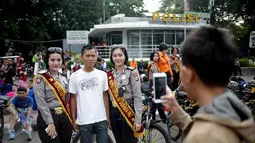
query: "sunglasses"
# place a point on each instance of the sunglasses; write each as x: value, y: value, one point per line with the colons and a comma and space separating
x: 118, y: 46
x: 55, y: 49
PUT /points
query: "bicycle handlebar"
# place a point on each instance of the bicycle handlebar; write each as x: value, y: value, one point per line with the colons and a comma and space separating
x: 181, y: 94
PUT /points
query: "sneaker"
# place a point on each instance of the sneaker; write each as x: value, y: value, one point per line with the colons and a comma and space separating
x: 11, y: 135
x: 29, y: 136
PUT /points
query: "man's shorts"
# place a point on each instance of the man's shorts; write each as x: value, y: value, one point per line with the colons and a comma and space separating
x: 23, y: 118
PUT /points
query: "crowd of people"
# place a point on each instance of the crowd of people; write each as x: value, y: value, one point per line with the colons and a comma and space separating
x: 92, y: 100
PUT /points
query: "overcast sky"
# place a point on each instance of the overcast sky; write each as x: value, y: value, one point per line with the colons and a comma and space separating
x: 152, y: 5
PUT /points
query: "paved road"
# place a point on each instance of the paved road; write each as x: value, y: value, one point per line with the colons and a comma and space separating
x: 22, y: 139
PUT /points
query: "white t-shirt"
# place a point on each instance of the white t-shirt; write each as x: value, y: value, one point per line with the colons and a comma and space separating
x: 89, y: 88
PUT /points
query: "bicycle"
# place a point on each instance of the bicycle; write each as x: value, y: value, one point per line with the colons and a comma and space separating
x: 188, y: 106
x: 4, y: 103
x: 151, y: 125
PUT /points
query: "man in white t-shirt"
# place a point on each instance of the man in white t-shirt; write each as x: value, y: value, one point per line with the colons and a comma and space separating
x: 88, y: 87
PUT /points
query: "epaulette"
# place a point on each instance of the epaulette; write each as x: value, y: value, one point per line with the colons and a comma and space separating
x: 109, y: 71
x: 130, y: 68
x: 42, y: 71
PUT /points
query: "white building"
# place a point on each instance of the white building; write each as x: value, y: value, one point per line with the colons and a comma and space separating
x: 142, y: 35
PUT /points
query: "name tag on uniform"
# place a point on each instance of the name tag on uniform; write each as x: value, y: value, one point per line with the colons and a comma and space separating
x: 123, y: 77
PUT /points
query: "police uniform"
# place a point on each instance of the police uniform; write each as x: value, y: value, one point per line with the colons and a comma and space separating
x: 50, y: 110
x: 129, y: 85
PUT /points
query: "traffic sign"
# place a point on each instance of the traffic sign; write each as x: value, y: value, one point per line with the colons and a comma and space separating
x: 252, y: 39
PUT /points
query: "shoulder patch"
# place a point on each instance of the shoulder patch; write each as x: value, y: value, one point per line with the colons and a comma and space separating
x: 136, y: 76
x: 130, y: 68
x: 38, y: 80
x: 42, y: 71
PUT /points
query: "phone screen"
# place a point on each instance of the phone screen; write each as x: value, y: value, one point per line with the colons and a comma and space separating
x: 160, y: 86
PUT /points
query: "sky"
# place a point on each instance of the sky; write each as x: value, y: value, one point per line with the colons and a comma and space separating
x: 152, y: 5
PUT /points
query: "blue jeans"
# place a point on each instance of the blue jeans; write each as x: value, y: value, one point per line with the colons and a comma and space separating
x: 100, y: 129
x: 23, y: 118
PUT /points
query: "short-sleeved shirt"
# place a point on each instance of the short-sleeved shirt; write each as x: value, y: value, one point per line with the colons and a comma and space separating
x: 22, y: 105
x: 89, y: 88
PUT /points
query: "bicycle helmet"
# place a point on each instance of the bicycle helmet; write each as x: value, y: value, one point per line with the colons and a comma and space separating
x: 233, y: 85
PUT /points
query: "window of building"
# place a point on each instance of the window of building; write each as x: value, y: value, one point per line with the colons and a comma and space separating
x: 133, y: 37
x: 146, y: 37
x: 134, y: 51
x: 158, y: 37
x: 179, y: 37
x: 116, y: 39
x: 170, y: 37
x: 146, y: 51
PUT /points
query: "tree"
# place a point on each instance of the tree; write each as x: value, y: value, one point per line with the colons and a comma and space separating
x: 236, y: 15
x: 132, y: 8
x: 44, y: 20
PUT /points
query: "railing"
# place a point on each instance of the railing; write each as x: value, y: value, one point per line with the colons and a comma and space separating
x: 135, y: 51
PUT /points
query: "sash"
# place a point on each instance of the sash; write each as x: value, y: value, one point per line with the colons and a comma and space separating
x: 124, y: 108
x: 60, y: 93
x: 149, y: 70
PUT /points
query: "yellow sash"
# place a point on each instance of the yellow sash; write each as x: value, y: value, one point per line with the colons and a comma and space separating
x: 60, y: 93
x: 124, y: 108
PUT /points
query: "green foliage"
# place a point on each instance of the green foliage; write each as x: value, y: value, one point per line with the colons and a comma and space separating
x: 244, y: 62
x: 49, y: 19
x: 247, y: 62
x: 131, y: 8
x: 109, y: 65
x: 236, y: 15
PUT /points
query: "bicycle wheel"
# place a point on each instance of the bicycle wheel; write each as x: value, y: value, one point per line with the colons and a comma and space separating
x: 156, y: 134
x: 77, y: 137
x: 174, y: 131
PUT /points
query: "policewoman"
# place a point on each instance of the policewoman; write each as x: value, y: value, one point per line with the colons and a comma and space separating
x: 126, y: 98
x: 50, y: 89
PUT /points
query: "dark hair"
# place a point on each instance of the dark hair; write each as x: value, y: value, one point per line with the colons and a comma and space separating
x: 145, y: 79
x: 48, y: 53
x: 211, y: 53
x: 172, y: 50
x: 99, y: 59
x: 31, y: 80
x: 152, y: 55
x: 87, y: 47
x: 123, y: 49
x: 163, y: 47
x: 21, y: 74
x: 21, y: 88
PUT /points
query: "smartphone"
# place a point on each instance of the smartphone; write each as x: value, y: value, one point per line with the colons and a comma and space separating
x: 159, y: 84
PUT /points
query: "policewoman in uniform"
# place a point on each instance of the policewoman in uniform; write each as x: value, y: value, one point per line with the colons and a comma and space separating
x: 175, y: 65
x: 126, y: 126
x: 50, y: 89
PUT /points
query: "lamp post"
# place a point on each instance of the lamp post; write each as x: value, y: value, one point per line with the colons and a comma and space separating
x: 103, y: 11
x: 212, y: 13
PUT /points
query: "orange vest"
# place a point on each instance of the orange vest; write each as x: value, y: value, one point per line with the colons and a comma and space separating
x: 133, y: 64
x: 164, y: 63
